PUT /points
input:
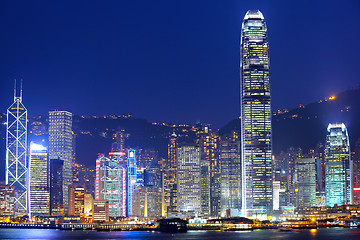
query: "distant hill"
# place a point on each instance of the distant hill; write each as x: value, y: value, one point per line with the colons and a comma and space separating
x: 306, y: 125
x: 302, y: 127
x: 94, y: 135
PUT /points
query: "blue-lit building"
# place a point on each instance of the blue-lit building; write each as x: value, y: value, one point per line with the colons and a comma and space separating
x: 338, y: 166
x: 131, y: 179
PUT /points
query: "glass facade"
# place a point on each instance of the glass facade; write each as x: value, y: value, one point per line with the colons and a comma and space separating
x: 131, y: 179
x: 39, y: 189
x: 147, y: 202
x: 255, y: 116
x: 170, y: 176
x: 188, y: 179
x: 56, y: 187
x: 230, y: 173
x: 338, y: 166
x: 111, y: 182
x: 305, y: 182
x: 61, y: 146
x: 208, y: 141
x: 16, y: 164
x: 205, y: 188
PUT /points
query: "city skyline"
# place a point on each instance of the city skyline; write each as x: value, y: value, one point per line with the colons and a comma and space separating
x: 192, y: 171
x: 198, y: 52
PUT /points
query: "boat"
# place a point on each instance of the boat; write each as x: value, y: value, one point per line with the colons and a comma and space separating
x: 285, y: 229
x: 172, y: 225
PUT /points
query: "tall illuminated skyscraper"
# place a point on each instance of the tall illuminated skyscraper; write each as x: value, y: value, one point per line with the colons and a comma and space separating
x: 131, y: 179
x: 305, y: 182
x: 208, y: 141
x: 39, y: 189
x: 188, y: 179
x: 56, y: 187
x: 338, y: 166
x: 16, y: 165
x: 61, y: 146
x: 255, y: 116
x: 170, y: 176
x: 230, y: 174
x: 111, y: 182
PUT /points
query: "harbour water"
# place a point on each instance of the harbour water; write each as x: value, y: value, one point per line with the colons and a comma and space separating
x: 324, y: 233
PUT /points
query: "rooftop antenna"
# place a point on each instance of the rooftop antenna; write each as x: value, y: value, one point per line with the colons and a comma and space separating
x: 21, y: 90
x: 14, y: 89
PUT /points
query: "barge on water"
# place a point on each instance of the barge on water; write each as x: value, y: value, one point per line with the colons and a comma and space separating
x: 172, y: 225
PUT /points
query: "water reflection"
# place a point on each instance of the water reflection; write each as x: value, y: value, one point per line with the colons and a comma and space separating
x: 323, y: 234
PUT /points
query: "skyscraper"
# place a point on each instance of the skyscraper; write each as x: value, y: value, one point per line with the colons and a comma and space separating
x: 38, y: 176
x: 56, y: 187
x: 230, y: 173
x: 255, y: 116
x: 111, y: 182
x: 147, y: 202
x: 305, y: 169
x: 188, y: 179
x: 205, y: 188
x: 131, y: 179
x: 170, y: 176
x: 338, y: 166
x: 16, y: 164
x: 60, y: 146
x: 208, y: 141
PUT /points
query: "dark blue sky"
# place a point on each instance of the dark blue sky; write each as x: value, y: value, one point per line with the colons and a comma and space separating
x: 171, y: 61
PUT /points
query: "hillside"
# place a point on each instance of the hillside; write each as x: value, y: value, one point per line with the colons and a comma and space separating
x: 306, y: 126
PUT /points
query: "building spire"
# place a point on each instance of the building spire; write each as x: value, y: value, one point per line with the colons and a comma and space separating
x: 21, y: 89
x: 14, y: 89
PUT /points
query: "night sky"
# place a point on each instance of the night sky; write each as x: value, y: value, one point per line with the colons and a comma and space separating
x: 171, y: 61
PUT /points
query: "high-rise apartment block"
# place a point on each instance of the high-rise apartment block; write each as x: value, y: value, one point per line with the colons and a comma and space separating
x: 338, y: 166
x: 61, y: 146
x: 39, y: 180
x: 255, y: 116
x: 16, y: 173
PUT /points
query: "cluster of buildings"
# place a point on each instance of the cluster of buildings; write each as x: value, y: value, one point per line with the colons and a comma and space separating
x: 217, y: 175
x: 39, y: 177
x: 323, y: 177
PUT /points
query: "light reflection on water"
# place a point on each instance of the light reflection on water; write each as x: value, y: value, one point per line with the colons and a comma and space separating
x: 331, y: 233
